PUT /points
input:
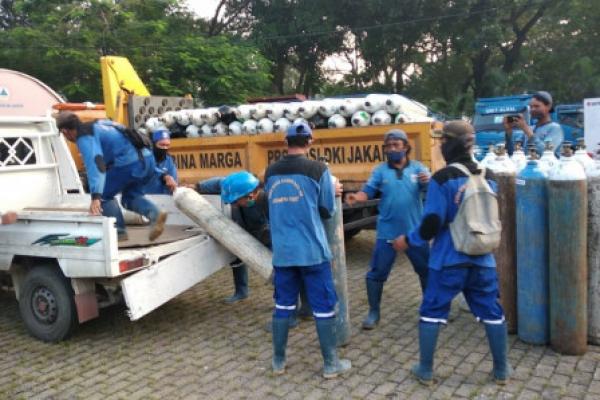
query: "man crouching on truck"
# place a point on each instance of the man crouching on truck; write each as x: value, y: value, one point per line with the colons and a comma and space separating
x: 400, y: 182
x: 114, y: 165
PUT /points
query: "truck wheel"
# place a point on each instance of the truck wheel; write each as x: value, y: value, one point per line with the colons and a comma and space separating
x: 46, y: 304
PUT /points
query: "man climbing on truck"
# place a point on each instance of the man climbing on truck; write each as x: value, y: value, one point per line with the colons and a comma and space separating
x: 114, y: 165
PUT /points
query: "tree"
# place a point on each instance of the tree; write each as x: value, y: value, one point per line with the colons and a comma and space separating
x: 61, y: 43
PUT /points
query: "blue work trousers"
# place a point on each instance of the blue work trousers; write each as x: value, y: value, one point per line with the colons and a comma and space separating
x: 320, y: 290
x: 478, y: 284
x: 129, y: 180
x: 384, y: 256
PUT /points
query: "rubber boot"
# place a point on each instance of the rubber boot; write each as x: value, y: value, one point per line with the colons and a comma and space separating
x: 292, y: 323
x: 333, y: 366
x: 280, y: 336
x: 428, y: 334
x: 240, y: 282
x: 497, y: 338
x: 374, y: 290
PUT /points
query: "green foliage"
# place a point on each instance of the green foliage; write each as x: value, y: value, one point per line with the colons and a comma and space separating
x: 445, y: 54
x: 60, y: 43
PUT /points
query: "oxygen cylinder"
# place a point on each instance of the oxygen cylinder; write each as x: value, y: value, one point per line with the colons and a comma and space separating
x: 567, y: 208
x: 489, y: 157
x: 548, y: 160
x: 582, y: 157
x: 532, y: 254
x: 505, y: 254
x: 593, y: 247
x: 519, y: 158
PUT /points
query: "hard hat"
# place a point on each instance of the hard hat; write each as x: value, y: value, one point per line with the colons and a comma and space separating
x: 237, y: 185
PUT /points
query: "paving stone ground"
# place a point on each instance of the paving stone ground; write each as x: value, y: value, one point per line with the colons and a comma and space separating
x: 196, y: 347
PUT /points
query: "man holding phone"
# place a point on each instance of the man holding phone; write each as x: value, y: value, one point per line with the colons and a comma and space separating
x: 544, y: 129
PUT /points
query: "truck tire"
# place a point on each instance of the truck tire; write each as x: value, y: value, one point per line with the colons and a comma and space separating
x: 46, y: 304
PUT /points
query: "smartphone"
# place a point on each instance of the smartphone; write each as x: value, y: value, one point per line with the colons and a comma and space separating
x: 512, y: 118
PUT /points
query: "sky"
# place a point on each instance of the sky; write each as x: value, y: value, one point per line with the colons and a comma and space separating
x: 204, y: 8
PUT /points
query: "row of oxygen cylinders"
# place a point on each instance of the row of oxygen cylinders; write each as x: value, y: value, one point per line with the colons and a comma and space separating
x: 548, y: 270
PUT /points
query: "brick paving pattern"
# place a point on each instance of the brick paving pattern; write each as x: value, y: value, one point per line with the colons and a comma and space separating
x: 197, y: 347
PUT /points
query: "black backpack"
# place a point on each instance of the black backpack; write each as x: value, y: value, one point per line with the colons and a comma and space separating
x: 137, y: 139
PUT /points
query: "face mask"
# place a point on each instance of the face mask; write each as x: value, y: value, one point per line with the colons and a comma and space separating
x: 396, y: 156
x: 160, y: 154
x: 251, y: 203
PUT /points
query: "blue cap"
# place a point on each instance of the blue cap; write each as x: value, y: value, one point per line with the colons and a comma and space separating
x: 160, y: 134
x: 301, y: 129
x: 395, y: 134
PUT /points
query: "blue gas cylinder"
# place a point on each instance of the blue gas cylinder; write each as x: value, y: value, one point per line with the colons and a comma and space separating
x: 532, y: 255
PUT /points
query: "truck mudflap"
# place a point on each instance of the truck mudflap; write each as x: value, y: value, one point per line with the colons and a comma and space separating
x: 150, y: 288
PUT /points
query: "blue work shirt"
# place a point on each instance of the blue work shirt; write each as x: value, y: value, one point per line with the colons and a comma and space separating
x: 551, y: 131
x: 103, y: 146
x: 401, y: 206
x: 441, y: 205
x: 300, y: 192
x: 157, y: 184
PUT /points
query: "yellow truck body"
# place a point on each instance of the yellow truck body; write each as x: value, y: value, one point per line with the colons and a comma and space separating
x: 350, y: 152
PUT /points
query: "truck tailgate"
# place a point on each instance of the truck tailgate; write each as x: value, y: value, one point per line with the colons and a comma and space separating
x: 149, y: 288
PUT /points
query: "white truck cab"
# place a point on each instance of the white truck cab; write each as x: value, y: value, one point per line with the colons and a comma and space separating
x: 65, y: 264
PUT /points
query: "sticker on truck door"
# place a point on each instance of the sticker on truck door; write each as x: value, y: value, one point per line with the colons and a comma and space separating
x: 66, y: 239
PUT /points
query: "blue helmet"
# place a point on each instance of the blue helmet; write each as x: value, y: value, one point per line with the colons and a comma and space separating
x: 237, y: 185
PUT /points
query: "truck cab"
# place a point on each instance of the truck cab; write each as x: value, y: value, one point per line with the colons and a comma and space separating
x: 570, y: 118
x: 489, y: 114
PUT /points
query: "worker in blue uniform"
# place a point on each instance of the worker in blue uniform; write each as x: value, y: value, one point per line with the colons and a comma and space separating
x: 165, y: 181
x: 114, y: 165
x: 450, y: 271
x: 401, y: 183
x: 300, y: 193
x: 544, y: 130
x: 249, y: 209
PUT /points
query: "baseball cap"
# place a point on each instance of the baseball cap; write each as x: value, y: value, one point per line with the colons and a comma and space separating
x: 457, y: 129
x: 395, y: 134
x: 160, y: 134
x: 300, y: 129
x: 544, y: 97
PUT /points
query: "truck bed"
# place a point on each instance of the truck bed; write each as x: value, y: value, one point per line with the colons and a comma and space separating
x: 138, y: 235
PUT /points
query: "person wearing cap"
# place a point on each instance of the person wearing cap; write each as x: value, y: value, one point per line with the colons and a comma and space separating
x: 165, y: 181
x: 300, y: 193
x: 249, y: 209
x: 401, y: 183
x: 450, y: 271
x: 544, y: 130
x: 114, y: 165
